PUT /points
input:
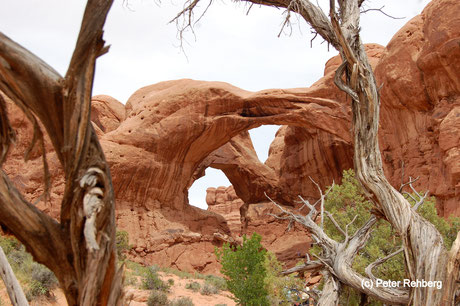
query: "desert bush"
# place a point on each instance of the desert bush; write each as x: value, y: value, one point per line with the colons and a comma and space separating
x: 182, y: 301
x: 41, y: 282
x: 153, y: 281
x: 170, y: 282
x: 9, y: 244
x: 122, y: 242
x: 209, y: 289
x: 158, y: 298
x: 245, y: 271
x: 194, y: 286
x: 217, y: 282
x: 181, y: 274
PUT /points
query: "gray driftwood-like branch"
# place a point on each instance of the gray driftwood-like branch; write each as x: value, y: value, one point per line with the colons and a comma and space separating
x: 337, y: 259
x: 12, y: 285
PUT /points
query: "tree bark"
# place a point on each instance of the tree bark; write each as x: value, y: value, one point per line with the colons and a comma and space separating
x: 331, y: 291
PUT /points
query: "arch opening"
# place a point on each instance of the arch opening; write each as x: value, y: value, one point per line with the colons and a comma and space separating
x: 262, y: 138
x: 197, y: 192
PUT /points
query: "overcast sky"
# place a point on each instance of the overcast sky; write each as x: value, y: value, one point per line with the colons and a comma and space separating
x: 228, y: 46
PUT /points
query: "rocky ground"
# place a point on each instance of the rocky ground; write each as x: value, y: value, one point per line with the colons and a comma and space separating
x: 138, y: 297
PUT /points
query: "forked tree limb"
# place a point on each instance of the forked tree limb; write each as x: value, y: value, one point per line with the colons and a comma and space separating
x: 380, y: 261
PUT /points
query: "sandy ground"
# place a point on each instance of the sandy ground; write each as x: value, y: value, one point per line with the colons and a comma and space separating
x: 138, y: 296
x: 178, y: 290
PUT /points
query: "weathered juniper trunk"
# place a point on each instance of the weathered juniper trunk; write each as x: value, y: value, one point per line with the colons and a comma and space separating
x: 80, y: 248
x: 424, y: 251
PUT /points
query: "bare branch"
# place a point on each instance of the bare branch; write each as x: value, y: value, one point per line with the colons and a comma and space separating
x: 34, y: 86
x: 309, y: 266
x: 380, y: 261
x: 312, y: 208
x: 79, y: 83
x: 12, y: 285
x: 420, y: 201
x: 421, y: 198
x: 337, y: 226
x: 311, y: 41
x: 411, y: 181
x: 381, y: 11
x: 346, y: 227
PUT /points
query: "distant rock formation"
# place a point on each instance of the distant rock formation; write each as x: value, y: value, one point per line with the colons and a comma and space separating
x: 167, y: 134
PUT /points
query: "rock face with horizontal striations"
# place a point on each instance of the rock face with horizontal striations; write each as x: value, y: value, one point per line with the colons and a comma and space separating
x: 167, y: 134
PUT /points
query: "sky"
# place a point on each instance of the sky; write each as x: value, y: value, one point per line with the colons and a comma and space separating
x: 228, y: 45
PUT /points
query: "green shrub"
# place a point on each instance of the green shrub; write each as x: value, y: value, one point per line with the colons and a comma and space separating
x: 181, y: 274
x: 153, y: 281
x: 136, y: 268
x: 182, y: 301
x: 216, y: 281
x: 41, y: 282
x: 245, y: 271
x: 9, y: 244
x: 157, y: 298
x: 194, y: 286
x: 36, y: 279
x: 122, y: 243
x: 220, y: 305
x: 209, y: 289
x: 170, y: 282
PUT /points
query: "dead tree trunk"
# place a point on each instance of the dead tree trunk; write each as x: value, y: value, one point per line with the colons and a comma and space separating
x: 12, y: 285
x: 80, y: 248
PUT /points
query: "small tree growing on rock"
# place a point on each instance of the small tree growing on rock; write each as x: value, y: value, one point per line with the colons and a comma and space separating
x: 245, y: 270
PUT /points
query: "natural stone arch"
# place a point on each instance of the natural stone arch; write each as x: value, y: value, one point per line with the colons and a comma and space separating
x: 169, y: 130
x: 177, y: 124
